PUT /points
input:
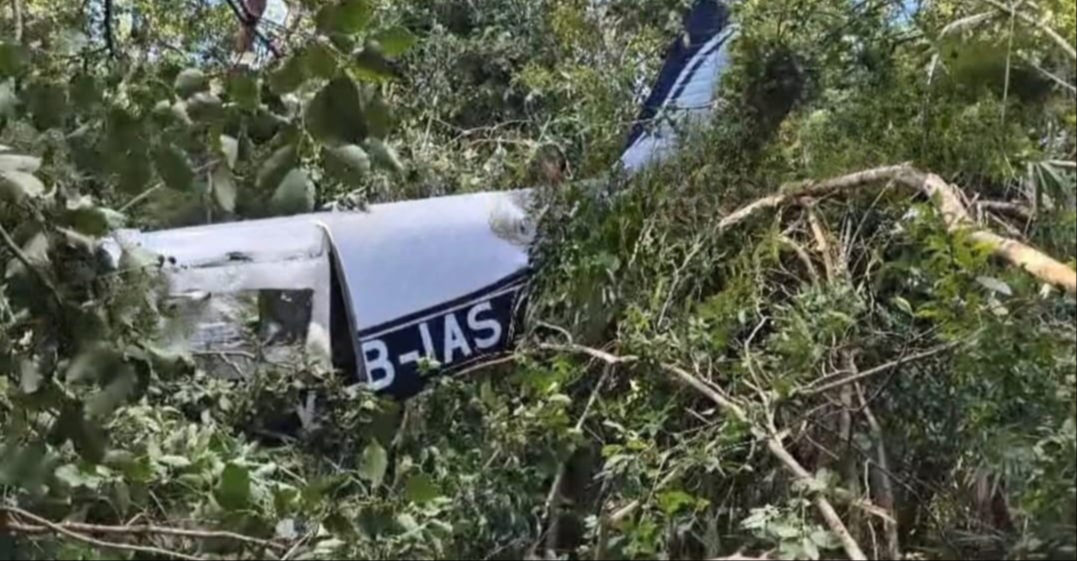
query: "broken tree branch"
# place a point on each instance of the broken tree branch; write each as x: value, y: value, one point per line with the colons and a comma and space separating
x: 248, y: 20
x: 885, y: 486
x: 1058, y: 39
x: 774, y: 444
x: 60, y: 529
x: 150, y: 530
x: 946, y: 198
x: 814, y: 389
x: 16, y: 14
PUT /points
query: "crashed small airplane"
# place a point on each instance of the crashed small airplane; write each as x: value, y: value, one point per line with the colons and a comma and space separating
x: 388, y: 292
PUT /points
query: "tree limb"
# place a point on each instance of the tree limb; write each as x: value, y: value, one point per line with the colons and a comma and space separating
x: 886, y: 486
x: 814, y: 389
x: 25, y: 260
x: 774, y: 444
x: 1060, y: 40
x: 60, y: 529
x: 249, y: 21
x: 149, y: 529
x: 16, y: 13
x: 945, y: 197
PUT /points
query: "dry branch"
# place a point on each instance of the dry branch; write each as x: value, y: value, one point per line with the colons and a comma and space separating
x: 151, y: 530
x: 949, y: 202
x: 822, y: 385
x: 774, y: 444
x: 885, y: 486
x: 63, y: 531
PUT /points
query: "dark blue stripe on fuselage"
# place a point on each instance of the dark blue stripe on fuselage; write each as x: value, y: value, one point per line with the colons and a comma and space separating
x: 706, y: 20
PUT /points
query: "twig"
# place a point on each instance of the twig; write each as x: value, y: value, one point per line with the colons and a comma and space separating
x: 1060, y: 40
x: 774, y: 444
x: 886, y: 486
x: 247, y: 20
x: 945, y: 197
x: 149, y: 529
x: 141, y: 197
x: 858, y: 376
x: 60, y: 529
x: 594, y: 353
x: 801, y: 254
x: 484, y: 365
x: 25, y: 260
x: 550, y: 506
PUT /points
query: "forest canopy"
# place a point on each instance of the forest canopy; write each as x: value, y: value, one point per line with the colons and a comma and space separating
x: 840, y: 322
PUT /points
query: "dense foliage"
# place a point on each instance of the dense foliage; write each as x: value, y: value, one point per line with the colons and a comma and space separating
x: 959, y: 439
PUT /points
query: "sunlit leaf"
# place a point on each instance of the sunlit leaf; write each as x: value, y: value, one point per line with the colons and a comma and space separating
x: 190, y: 81
x: 30, y: 377
x: 17, y: 185
x: 374, y: 463
x: 294, y: 195
x: 421, y: 489
x: 320, y: 60
x: 19, y: 162
x: 224, y: 187
x: 395, y: 41
x: 289, y: 76
x: 115, y: 393
x: 348, y: 163
x: 230, y: 149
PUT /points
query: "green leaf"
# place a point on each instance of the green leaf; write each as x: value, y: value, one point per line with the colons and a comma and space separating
x: 13, y: 59
x: 335, y: 115
x: 348, y: 17
x: 276, y: 167
x: 92, y: 364
x: 294, y: 195
x: 17, y: 185
x: 86, y: 218
x: 673, y: 501
x: 85, y: 92
x: 173, y: 167
x: 71, y: 475
x: 395, y: 41
x: 190, y: 81
x: 243, y: 88
x: 8, y: 100
x: 378, y: 118
x: 19, y: 162
x: 371, y: 63
x: 348, y: 163
x: 373, y: 463
x: 289, y: 76
x: 320, y: 60
x: 89, y: 439
x: 204, y: 106
x: 47, y: 104
x: 36, y: 250
x: 230, y: 150
x: 30, y: 377
x: 224, y: 187
x: 116, y: 393
x: 783, y: 530
x: 383, y: 155
x: 234, y: 489
x: 421, y: 489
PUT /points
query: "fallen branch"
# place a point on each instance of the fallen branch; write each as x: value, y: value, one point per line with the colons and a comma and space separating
x: 774, y: 444
x: 885, y: 486
x: 947, y: 199
x: 151, y: 530
x: 594, y: 353
x: 549, y: 514
x: 815, y: 389
x: 1058, y: 39
x: 60, y: 529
